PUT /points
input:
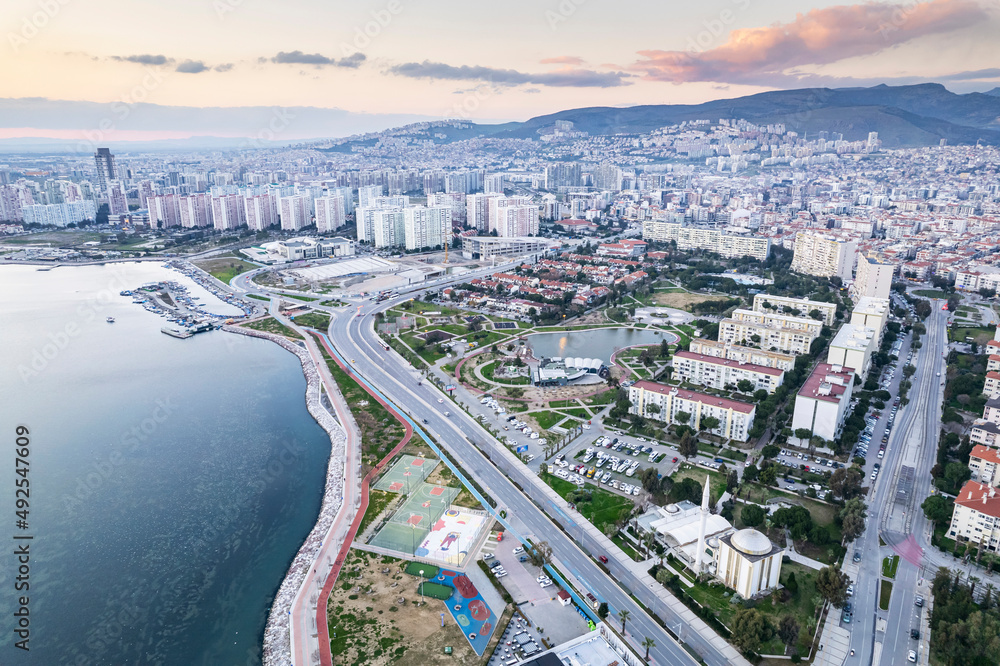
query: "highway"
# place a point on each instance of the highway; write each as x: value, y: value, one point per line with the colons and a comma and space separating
x: 353, y: 337
x: 883, y: 637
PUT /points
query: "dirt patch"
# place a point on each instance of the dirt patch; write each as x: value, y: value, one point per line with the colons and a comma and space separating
x: 375, y: 628
x: 681, y: 300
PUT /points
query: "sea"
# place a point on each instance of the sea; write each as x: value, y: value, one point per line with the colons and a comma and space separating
x: 171, y: 481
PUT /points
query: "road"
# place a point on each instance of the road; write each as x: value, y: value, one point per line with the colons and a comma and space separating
x: 883, y: 637
x: 352, y: 335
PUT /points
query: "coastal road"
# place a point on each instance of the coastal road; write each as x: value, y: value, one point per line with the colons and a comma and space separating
x: 883, y: 637
x: 353, y: 336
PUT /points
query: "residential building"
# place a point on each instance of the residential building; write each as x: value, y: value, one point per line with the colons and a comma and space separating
x: 331, y: 213
x: 627, y: 248
x: 477, y: 211
x: 196, y: 211
x: 853, y: 347
x: 766, y: 318
x: 786, y: 340
x: 978, y: 277
x: 663, y: 403
x: 992, y: 387
x: 822, y: 403
x: 722, y: 373
x: 872, y: 313
x: 874, y: 278
x: 513, y: 216
x: 983, y: 463
x: 976, y: 516
x: 797, y: 307
x: 228, y: 212
x: 389, y: 226
x: 106, y: 171
x: 426, y: 227
x: 261, y: 211
x: 730, y: 242
x: 368, y: 194
x: 294, y: 212
x: 824, y: 255
x: 733, y: 352
x: 164, y: 210
x: 117, y: 201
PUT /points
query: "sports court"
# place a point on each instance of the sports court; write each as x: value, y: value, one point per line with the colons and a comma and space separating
x: 452, y: 536
x: 410, y: 524
x: 406, y: 473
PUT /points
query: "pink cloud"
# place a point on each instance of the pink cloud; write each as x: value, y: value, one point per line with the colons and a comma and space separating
x: 821, y: 36
x: 562, y: 60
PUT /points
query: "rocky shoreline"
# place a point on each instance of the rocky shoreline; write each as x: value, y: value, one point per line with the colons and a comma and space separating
x: 276, y: 643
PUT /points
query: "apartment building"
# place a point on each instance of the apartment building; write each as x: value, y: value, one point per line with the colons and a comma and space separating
x: 228, y: 212
x: 978, y: 277
x: 512, y: 217
x: 294, y: 212
x: 812, y: 326
x: 751, y: 355
x: 872, y: 312
x: 731, y: 242
x: 824, y: 255
x: 873, y: 279
x: 261, y: 211
x: 983, y: 463
x: 721, y: 373
x: 822, y: 403
x: 787, y: 340
x: 426, y: 227
x: 331, y: 213
x: 976, y: 517
x: 663, y: 403
x: 164, y: 210
x: 795, y: 306
x: 853, y: 347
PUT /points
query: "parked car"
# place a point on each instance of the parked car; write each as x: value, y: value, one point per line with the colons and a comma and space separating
x: 603, y: 559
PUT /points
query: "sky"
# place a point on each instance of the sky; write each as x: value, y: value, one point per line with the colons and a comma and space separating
x: 147, y: 67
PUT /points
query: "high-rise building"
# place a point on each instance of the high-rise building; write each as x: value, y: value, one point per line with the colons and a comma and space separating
x: 368, y: 194
x: 261, y: 210
x: 331, y: 212
x: 196, y: 211
x: 494, y: 183
x: 228, y: 212
x: 874, y: 278
x: 106, y: 171
x: 117, y: 201
x: 426, y: 227
x: 728, y: 243
x: 513, y: 216
x: 164, y: 210
x: 824, y: 255
x: 477, y: 211
x: 294, y: 212
x: 389, y: 226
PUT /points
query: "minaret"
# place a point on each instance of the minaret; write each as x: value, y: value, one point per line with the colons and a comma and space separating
x: 701, y: 533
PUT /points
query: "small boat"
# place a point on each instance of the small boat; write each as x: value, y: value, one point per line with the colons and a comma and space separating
x: 111, y: 320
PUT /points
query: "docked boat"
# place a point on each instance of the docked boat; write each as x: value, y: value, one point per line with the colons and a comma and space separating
x: 111, y: 320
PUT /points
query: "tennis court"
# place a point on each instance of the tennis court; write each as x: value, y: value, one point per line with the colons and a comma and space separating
x: 409, y: 525
x: 406, y: 473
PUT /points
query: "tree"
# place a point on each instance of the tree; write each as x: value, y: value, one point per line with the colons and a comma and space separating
x: 938, y: 510
x: 852, y: 526
x: 732, y: 481
x: 749, y: 629
x: 623, y: 615
x: 541, y: 554
x: 769, y: 475
x: 750, y: 473
x: 803, y: 433
x: 845, y: 482
x: 753, y: 515
x: 770, y: 451
x: 745, y: 386
x: 682, y: 417
x: 908, y: 370
x: 788, y: 630
x: 832, y: 584
x: 648, y: 643
x: 663, y: 575
x: 602, y: 610
x: 688, y: 445
x: 760, y: 395
x: 710, y: 423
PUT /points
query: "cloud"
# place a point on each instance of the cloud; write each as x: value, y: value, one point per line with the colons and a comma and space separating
x: 571, y: 78
x: 145, y: 59
x: 764, y: 56
x: 225, y: 67
x: 192, y: 67
x: 562, y: 60
x: 352, y: 61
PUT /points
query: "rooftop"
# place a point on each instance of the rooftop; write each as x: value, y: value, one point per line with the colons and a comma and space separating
x: 694, y: 396
x: 979, y: 497
x: 828, y: 382
x: 985, y: 453
x: 715, y: 360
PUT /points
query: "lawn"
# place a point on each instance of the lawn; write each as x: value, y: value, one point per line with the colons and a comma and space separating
x: 603, y: 509
x: 605, y: 398
x: 307, y: 299
x: 889, y: 566
x: 688, y: 471
x: 225, y: 267
x: 981, y: 335
x: 885, y: 592
x: 933, y: 293
x: 259, y: 298
x: 547, y: 419
x: 272, y: 325
x: 414, y: 569
x: 377, y: 501
x: 317, y: 320
x: 435, y: 591
x: 681, y: 300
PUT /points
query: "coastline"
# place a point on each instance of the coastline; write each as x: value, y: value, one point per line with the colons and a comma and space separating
x: 276, y: 644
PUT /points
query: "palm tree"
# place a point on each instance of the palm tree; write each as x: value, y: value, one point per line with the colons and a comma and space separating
x: 623, y: 615
x: 648, y: 643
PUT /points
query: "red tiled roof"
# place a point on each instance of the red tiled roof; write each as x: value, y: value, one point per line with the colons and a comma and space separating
x: 985, y: 453
x: 979, y: 497
x: 715, y: 360
x: 811, y: 388
x: 694, y: 396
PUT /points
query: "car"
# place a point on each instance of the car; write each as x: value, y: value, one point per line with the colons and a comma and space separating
x: 488, y: 556
x: 919, y: 602
x: 542, y: 578
x: 857, y: 556
x: 674, y: 459
x: 519, y: 550
x: 547, y: 583
x: 523, y: 558
x: 911, y: 656
x: 603, y: 559
x: 846, y: 618
x: 915, y: 634
x: 501, y: 575
x: 850, y: 590
x: 440, y: 399
x: 424, y: 420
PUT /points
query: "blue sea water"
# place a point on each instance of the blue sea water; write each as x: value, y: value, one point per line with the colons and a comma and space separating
x: 172, y: 481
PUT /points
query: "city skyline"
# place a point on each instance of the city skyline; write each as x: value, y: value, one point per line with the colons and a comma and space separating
x: 376, y: 68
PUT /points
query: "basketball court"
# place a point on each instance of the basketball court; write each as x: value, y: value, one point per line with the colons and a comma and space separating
x: 406, y: 473
x: 452, y: 536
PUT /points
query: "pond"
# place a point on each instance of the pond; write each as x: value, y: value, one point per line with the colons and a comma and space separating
x: 598, y: 343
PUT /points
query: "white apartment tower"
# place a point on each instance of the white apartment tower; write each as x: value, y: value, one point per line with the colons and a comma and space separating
x: 426, y: 227
x: 331, y: 212
x: 824, y: 255
x: 294, y: 212
x: 874, y: 279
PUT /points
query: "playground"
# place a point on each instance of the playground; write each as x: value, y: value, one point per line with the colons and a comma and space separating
x: 468, y: 608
